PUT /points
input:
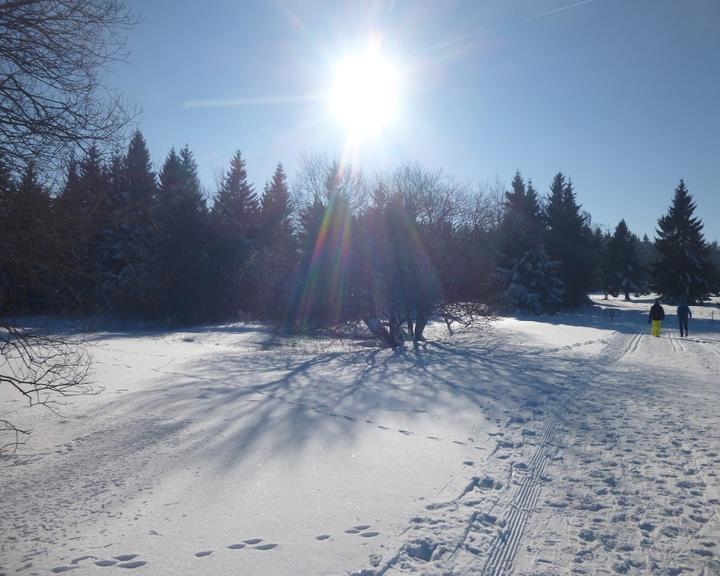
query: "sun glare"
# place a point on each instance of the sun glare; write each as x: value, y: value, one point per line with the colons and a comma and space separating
x: 364, y: 97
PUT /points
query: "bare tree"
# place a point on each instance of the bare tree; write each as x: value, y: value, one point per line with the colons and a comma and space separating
x: 43, y: 369
x: 52, y: 99
x: 53, y: 55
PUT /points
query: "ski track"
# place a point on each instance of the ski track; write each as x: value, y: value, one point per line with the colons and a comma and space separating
x: 599, y: 442
x: 568, y: 471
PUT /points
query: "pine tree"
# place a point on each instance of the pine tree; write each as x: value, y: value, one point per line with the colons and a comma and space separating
x: 181, y: 262
x: 534, y: 285
x: 83, y: 215
x: 276, y: 209
x: 128, y: 241
x: 273, y: 261
x: 568, y: 241
x: 236, y: 206
x: 521, y: 227
x: 234, y: 216
x: 683, y: 271
x: 28, y: 254
x: 622, y: 272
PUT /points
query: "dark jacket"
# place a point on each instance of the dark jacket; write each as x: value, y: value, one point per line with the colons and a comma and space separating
x: 657, y: 312
x: 683, y: 311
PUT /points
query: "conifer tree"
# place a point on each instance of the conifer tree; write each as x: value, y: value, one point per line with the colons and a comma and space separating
x: 28, y: 254
x: 534, y: 285
x: 276, y: 209
x: 622, y: 272
x: 273, y: 262
x: 521, y: 227
x: 234, y: 216
x: 83, y: 216
x: 128, y: 242
x: 568, y: 241
x: 181, y: 263
x: 236, y: 205
x: 683, y: 271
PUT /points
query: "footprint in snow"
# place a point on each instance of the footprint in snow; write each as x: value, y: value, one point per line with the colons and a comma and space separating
x: 322, y: 537
x: 81, y: 558
x: 362, y: 526
x: 60, y: 569
x: 236, y: 546
x: 383, y: 428
x: 252, y: 541
x: 369, y: 534
x: 203, y: 553
x: 105, y: 563
x: 352, y: 531
x: 135, y: 564
x: 125, y: 557
x: 267, y: 546
x: 406, y: 432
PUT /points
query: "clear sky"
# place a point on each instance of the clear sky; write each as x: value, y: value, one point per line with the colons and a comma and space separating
x: 623, y: 96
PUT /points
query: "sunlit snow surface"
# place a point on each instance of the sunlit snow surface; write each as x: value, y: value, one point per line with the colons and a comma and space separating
x: 566, y: 444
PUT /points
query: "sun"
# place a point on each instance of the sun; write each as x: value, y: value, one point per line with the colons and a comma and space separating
x: 364, y: 96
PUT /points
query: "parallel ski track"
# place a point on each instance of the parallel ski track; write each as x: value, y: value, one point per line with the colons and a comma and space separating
x: 505, y: 546
x: 632, y: 347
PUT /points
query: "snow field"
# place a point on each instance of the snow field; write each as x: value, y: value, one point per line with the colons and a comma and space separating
x: 562, y: 445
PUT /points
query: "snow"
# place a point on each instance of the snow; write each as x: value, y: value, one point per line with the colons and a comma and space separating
x: 564, y: 444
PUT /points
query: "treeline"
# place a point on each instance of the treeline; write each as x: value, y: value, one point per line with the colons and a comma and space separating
x: 119, y: 238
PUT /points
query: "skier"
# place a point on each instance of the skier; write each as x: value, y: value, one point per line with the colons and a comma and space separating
x: 683, y: 314
x: 657, y: 315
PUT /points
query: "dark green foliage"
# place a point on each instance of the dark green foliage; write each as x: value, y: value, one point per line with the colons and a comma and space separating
x: 83, y: 216
x: 115, y: 239
x: 621, y: 270
x: 27, y: 240
x: 235, y: 220
x: 522, y: 227
x: 534, y: 285
x: 683, y: 271
x: 128, y: 243
x: 181, y: 260
x: 569, y: 241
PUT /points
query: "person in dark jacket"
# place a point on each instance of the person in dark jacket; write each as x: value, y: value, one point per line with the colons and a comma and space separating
x: 684, y: 314
x: 657, y: 315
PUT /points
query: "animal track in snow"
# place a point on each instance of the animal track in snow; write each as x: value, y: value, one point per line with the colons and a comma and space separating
x: 125, y: 557
x: 252, y: 541
x: 203, y: 553
x: 236, y: 546
x: 322, y: 537
x: 267, y: 546
x: 135, y: 564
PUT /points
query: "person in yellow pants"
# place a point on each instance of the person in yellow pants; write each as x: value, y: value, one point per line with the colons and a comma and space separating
x: 657, y: 315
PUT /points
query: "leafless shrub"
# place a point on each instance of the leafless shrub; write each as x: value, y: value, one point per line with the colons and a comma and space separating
x: 43, y: 368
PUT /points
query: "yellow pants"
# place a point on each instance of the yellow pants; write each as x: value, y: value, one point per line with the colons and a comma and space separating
x: 656, y: 328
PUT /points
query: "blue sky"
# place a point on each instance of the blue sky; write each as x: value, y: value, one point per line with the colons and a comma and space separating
x: 621, y: 95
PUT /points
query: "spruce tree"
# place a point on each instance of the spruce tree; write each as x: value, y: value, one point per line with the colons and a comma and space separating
x: 276, y: 209
x: 83, y: 217
x: 234, y: 216
x: 534, y: 285
x: 622, y: 272
x: 236, y: 206
x: 181, y: 263
x: 127, y: 253
x: 28, y: 255
x: 274, y: 260
x: 683, y: 271
x: 521, y: 227
x: 568, y: 241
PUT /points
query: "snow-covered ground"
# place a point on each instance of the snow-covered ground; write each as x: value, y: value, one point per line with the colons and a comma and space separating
x: 572, y: 444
